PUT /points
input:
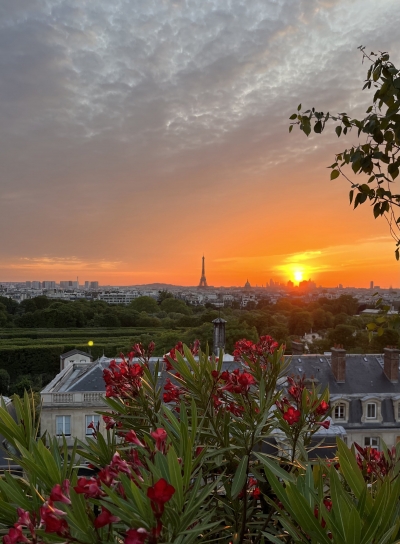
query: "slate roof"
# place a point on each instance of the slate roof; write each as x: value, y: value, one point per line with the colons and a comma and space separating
x: 364, y: 377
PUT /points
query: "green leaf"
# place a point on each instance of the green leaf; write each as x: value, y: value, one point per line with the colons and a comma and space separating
x: 335, y: 174
x: 274, y: 467
x: 290, y: 128
x: 240, y: 477
x: 318, y: 127
x: 299, y: 107
x: 293, y: 116
x: 338, y: 131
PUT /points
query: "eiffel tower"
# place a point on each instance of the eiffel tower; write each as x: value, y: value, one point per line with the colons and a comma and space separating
x: 203, y: 281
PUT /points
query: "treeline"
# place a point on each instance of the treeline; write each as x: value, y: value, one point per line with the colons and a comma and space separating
x: 36, y: 332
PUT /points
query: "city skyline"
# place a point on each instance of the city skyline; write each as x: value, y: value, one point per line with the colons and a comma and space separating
x: 136, y: 136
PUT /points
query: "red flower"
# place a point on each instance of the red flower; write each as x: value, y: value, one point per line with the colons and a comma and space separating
x: 292, y: 415
x: 132, y: 438
x: 109, y: 421
x: 53, y: 523
x: 15, y: 535
x: 160, y: 493
x: 136, y: 536
x: 324, y: 424
x: 107, y: 476
x: 322, y: 408
x: 89, y: 487
x: 24, y: 518
x: 119, y: 464
x: 105, y: 518
x: 160, y: 436
x: 57, y: 495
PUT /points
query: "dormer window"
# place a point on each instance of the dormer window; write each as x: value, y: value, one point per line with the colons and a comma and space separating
x: 340, y: 411
x: 371, y: 410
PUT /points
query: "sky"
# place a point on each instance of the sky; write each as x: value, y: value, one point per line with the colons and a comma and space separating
x: 138, y: 135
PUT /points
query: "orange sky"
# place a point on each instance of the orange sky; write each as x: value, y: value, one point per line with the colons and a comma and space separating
x: 138, y: 136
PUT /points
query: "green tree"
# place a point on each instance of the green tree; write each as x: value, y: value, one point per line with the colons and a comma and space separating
x: 343, y: 334
x: 144, y: 304
x: 389, y: 337
x: 300, y: 322
x: 164, y: 294
x: 175, y: 305
x: 377, y: 153
x: 321, y: 319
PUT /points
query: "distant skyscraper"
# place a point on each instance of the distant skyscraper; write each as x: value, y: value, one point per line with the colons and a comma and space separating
x: 48, y: 284
x: 203, y: 281
x: 371, y: 284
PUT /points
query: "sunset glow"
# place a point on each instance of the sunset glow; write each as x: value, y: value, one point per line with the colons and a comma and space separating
x: 146, y: 134
x: 298, y: 275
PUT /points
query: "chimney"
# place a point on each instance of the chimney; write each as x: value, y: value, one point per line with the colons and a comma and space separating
x: 338, y: 363
x: 218, y: 335
x: 391, y: 364
x: 297, y: 347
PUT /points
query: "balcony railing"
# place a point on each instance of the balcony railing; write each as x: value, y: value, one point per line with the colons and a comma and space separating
x: 78, y: 398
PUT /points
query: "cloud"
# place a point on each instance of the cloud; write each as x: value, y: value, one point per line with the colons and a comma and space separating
x: 115, y: 113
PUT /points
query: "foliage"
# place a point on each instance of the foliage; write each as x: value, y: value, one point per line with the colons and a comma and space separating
x: 377, y: 154
x: 177, y: 464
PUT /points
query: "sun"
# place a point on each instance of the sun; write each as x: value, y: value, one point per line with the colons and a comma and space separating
x: 298, y: 275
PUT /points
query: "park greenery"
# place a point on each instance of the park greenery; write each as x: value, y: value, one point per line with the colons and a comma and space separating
x: 36, y: 332
x: 211, y: 455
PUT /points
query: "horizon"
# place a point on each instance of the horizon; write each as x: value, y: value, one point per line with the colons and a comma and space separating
x: 138, y: 136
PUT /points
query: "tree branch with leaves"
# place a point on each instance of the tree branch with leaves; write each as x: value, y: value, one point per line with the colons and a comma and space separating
x: 377, y: 154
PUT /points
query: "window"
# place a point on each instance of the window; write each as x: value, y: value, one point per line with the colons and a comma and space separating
x: 371, y: 410
x: 340, y: 411
x: 63, y: 425
x: 96, y: 420
x: 371, y: 442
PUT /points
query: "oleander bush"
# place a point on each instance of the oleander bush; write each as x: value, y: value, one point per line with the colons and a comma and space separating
x: 195, y: 459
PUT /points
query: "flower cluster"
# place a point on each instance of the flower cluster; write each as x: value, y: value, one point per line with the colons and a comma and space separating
x: 229, y: 384
x: 302, y: 402
x: 123, y: 379
x: 172, y: 392
x: 374, y: 463
x: 52, y: 519
x: 256, y: 353
x: 194, y: 349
